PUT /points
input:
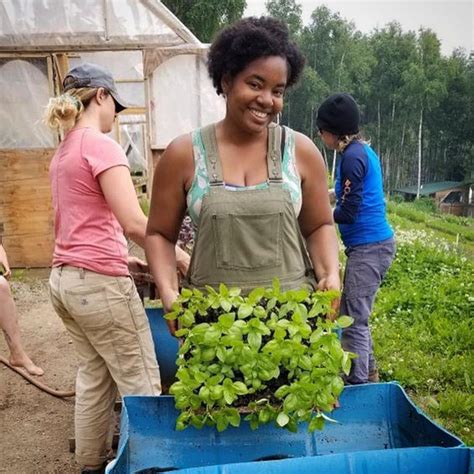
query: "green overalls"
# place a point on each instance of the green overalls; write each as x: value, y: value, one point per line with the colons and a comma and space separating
x: 247, y: 238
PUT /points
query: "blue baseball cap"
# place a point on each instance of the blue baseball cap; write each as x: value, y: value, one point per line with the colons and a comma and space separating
x: 93, y: 75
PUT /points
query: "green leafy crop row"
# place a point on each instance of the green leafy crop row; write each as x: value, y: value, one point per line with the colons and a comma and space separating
x: 271, y: 356
x: 446, y: 223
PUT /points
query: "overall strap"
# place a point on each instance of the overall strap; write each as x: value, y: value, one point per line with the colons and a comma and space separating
x: 276, y: 137
x: 213, y: 163
x: 274, y: 155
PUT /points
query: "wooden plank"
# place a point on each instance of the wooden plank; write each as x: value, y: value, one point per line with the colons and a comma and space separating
x: 24, y: 164
x: 25, y: 207
x: 29, y: 250
x: 40, y: 224
x: 22, y: 194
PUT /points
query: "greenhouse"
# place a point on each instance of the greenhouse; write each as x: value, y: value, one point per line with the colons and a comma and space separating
x: 159, y: 67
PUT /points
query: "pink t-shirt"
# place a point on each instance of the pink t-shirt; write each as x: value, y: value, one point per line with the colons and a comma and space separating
x: 87, y: 233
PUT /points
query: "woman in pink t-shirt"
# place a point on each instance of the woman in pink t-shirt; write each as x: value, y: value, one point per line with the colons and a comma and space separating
x: 95, y: 207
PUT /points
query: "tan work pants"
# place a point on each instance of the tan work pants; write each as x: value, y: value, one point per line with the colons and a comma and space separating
x: 109, y: 328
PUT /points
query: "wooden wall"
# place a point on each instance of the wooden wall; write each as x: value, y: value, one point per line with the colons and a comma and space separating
x: 25, y: 207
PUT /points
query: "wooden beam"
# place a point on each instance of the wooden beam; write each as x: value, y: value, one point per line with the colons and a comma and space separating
x: 61, y: 61
x: 42, y: 44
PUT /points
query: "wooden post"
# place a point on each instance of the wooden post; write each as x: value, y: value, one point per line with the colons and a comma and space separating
x: 61, y: 61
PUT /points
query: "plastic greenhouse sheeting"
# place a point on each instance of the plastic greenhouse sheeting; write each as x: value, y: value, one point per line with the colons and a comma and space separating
x: 25, y: 92
x: 54, y: 24
x: 183, y: 98
x: 372, y: 417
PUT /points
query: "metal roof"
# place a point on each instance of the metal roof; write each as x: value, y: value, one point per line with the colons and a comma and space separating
x: 430, y: 188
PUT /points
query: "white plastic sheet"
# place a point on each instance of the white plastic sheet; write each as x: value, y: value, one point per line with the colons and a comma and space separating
x: 126, y: 65
x: 132, y: 139
x: 182, y: 98
x: 36, y: 24
x: 25, y: 92
x: 127, y: 69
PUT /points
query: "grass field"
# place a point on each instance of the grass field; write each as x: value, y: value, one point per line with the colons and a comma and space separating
x: 423, y: 316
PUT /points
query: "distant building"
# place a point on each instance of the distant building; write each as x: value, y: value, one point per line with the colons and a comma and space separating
x: 452, y: 197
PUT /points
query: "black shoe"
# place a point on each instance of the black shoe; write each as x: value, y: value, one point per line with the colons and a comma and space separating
x: 374, y: 376
x: 100, y: 470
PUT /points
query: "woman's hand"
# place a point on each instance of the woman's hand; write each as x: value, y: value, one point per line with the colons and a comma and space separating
x: 172, y: 326
x: 7, y: 273
x: 138, y: 269
x: 168, y: 297
x: 4, y: 262
x: 331, y: 282
x: 182, y: 261
x: 136, y: 265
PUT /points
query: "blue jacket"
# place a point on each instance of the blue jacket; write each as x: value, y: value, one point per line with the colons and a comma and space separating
x: 360, y: 205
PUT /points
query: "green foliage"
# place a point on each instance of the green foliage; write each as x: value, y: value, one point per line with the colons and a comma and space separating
x: 453, y: 229
x: 272, y: 356
x: 301, y: 100
x: 423, y: 328
x: 206, y: 17
x: 398, y: 78
x: 144, y: 205
x: 288, y: 11
x: 424, y: 204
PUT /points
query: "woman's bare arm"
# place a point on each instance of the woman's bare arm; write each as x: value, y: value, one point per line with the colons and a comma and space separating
x: 316, y: 221
x: 173, y: 175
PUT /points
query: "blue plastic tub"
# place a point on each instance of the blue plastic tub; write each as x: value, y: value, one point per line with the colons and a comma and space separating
x: 166, y: 346
x: 390, y: 461
x: 372, y: 417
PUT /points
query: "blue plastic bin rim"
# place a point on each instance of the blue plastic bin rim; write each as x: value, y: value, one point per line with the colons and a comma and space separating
x: 347, y: 387
x: 131, y: 400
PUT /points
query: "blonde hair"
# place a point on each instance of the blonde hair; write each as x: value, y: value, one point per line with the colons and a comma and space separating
x: 346, y: 140
x: 64, y: 111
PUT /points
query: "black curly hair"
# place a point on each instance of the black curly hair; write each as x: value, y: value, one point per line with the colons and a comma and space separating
x: 247, y: 40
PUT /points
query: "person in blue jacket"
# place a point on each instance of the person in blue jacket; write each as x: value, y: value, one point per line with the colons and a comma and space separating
x: 366, y: 234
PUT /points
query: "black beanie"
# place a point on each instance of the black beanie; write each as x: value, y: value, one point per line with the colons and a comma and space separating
x: 339, y: 114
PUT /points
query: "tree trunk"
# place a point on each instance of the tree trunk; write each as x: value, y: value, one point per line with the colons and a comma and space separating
x: 387, y: 172
x: 420, y: 128
x: 401, y: 162
x: 325, y: 158
x: 289, y: 110
x: 397, y: 176
x: 333, y: 172
x: 379, y: 145
x: 340, y: 69
x: 326, y: 164
x: 390, y: 145
x: 403, y: 137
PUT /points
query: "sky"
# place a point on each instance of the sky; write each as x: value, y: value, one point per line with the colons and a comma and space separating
x: 452, y: 21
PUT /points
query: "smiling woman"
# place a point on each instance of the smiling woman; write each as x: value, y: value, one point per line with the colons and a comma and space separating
x: 256, y: 191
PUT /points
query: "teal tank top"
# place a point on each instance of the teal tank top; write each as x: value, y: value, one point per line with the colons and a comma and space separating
x: 200, y: 185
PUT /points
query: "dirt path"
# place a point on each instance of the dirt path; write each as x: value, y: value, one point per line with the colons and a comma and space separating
x: 34, y: 426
